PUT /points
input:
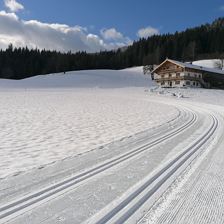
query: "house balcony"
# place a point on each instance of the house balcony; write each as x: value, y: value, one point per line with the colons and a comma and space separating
x: 179, y: 78
x: 171, y: 70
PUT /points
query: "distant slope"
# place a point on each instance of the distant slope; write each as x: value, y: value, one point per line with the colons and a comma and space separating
x: 206, y: 63
x: 131, y: 77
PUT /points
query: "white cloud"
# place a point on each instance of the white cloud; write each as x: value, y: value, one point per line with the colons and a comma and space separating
x: 147, y: 32
x: 114, y: 37
x: 59, y: 37
x: 222, y: 8
x: 13, y: 5
x: 111, y: 34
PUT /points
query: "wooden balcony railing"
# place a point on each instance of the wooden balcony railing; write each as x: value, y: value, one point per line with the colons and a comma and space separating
x: 171, y: 70
x: 178, y: 78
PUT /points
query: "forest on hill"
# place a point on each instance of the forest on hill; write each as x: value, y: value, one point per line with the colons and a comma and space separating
x: 203, y: 42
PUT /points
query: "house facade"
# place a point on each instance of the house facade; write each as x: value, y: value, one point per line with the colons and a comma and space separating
x: 172, y: 73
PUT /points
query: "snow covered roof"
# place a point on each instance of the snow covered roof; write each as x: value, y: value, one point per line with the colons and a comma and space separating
x: 189, y: 65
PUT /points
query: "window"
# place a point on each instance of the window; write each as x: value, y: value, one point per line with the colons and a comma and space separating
x: 178, y: 74
x: 177, y: 82
x: 162, y: 76
x: 170, y: 75
x: 162, y: 83
x: 189, y: 74
x: 188, y: 83
x: 194, y: 83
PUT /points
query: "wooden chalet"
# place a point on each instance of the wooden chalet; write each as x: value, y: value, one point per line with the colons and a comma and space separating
x: 173, y: 73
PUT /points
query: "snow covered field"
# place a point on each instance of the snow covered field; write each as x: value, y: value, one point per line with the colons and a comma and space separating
x: 41, y: 127
x: 108, y: 147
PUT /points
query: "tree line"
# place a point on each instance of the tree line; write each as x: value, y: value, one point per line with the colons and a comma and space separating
x: 203, y: 42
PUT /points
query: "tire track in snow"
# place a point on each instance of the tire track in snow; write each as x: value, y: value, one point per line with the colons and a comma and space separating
x: 125, y: 210
x: 13, y: 209
x: 197, y: 197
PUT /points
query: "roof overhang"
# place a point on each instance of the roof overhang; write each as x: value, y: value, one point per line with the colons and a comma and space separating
x: 167, y: 60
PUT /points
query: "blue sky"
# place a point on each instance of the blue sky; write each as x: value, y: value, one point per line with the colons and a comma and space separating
x: 121, y: 18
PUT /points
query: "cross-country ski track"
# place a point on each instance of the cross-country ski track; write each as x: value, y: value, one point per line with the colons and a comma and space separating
x: 199, y: 124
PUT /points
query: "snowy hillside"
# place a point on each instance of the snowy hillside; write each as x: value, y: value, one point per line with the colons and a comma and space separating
x: 132, y: 77
x: 206, y: 63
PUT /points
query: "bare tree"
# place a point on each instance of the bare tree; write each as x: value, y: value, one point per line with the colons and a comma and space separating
x: 147, y: 69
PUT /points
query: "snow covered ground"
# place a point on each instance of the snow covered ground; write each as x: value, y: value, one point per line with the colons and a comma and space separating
x: 41, y: 127
x: 109, y: 147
